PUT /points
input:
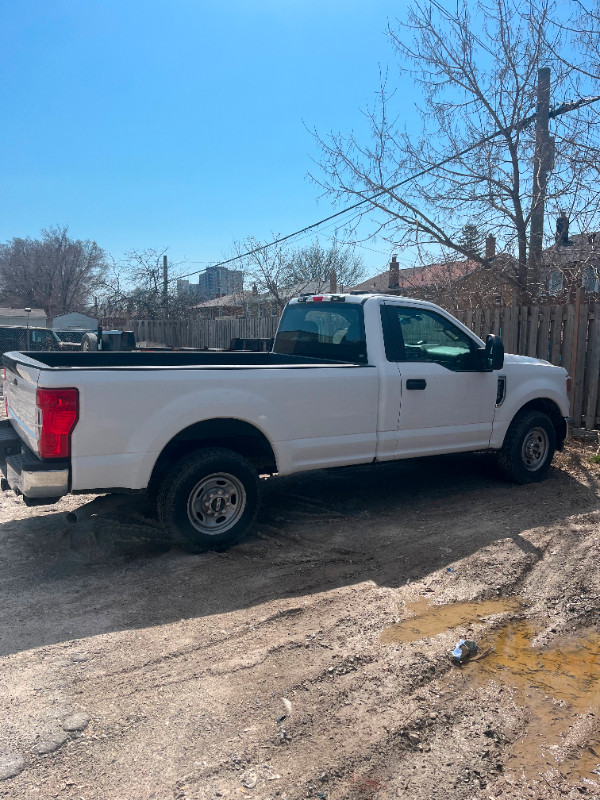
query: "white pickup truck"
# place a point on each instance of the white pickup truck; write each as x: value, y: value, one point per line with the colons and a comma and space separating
x: 351, y: 379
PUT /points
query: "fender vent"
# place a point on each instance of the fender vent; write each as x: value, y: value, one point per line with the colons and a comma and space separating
x: 501, y: 393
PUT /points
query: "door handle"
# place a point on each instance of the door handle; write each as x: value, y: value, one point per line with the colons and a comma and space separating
x: 416, y: 383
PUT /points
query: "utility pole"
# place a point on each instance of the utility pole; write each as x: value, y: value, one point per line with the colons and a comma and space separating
x: 165, y: 285
x: 542, y: 164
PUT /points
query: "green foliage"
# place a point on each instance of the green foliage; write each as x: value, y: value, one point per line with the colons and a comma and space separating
x: 471, y: 240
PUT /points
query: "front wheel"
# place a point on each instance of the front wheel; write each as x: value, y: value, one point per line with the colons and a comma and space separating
x: 528, y: 448
x: 209, y: 499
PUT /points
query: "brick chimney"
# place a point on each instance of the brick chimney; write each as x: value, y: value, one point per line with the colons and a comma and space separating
x: 562, y: 229
x: 490, y: 246
x: 394, y: 273
x: 333, y: 282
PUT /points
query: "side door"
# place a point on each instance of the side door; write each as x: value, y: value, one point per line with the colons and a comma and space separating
x: 447, y: 400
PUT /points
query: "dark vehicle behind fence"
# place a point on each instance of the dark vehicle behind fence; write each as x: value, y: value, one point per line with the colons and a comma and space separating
x: 22, y: 338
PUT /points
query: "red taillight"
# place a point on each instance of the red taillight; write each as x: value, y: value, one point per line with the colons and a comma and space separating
x: 318, y: 299
x: 569, y: 384
x: 58, y: 411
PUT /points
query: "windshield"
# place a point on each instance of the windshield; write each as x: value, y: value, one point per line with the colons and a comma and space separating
x: 330, y: 331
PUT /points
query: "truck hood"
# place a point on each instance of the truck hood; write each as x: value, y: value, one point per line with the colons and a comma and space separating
x: 510, y: 358
x: 527, y: 361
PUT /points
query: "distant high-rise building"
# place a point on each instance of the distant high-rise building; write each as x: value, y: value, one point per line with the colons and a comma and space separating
x: 219, y: 281
x: 213, y: 282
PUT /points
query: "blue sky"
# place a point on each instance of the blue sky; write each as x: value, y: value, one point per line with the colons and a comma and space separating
x: 180, y: 124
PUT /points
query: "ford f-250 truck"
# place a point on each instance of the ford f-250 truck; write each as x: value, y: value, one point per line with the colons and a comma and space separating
x: 351, y: 379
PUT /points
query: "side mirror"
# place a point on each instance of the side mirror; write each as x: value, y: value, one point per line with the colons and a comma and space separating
x: 494, y: 352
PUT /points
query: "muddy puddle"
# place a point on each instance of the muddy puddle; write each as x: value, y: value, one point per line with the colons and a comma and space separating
x: 558, y: 686
x: 559, y: 690
x: 429, y: 620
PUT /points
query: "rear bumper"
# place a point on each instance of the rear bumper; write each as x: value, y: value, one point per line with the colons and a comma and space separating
x: 29, y: 476
x: 26, y: 474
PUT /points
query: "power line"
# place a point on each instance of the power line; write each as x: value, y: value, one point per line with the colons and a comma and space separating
x: 563, y: 108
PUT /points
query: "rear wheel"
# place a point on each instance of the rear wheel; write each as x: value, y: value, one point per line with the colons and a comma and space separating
x: 209, y: 499
x: 528, y: 448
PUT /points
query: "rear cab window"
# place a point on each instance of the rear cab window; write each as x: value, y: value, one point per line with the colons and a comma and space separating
x: 331, y: 331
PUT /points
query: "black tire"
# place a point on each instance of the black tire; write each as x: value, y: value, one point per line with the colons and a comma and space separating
x: 209, y: 499
x: 89, y: 341
x: 528, y: 447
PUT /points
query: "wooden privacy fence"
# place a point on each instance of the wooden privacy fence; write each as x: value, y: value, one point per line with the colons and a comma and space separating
x: 566, y: 335
x: 203, y: 332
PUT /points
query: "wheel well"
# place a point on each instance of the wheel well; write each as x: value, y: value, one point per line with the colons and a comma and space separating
x: 232, y: 434
x: 550, y: 408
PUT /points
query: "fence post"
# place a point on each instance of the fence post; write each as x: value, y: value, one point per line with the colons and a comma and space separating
x: 496, y: 322
x: 556, y: 337
x: 593, y: 368
x: 543, y: 337
x: 576, y: 322
x: 532, y: 327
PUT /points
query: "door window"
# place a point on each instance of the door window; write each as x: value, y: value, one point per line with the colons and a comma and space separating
x: 41, y: 339
x: 417, y: 334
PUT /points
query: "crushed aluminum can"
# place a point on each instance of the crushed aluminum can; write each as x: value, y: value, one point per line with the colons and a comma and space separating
x: 464, y: 650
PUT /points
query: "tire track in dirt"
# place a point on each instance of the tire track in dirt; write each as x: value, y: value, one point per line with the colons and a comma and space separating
x: 188, y: 657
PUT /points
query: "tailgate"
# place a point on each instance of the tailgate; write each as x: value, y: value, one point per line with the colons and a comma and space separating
x: 20, y: 382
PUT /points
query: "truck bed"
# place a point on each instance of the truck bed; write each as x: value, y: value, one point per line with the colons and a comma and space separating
x: 156, y: 359
x: 132, y: 405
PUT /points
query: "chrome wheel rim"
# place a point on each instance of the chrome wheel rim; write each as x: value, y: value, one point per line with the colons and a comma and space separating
x: 535, y: 449
x: 216, y: 503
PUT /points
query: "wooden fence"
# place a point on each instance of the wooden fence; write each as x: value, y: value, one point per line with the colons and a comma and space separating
x: 203, y: 332
x: 566, y: 335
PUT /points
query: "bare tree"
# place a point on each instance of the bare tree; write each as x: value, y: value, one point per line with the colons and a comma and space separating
x: 580, y: 32
x: 477, y: 70
x: 282, y: 271
x: 267, y: 267
x: 56, y: 273
x: 134, y: 287
x: 143, y: 268
x: 315, y: 264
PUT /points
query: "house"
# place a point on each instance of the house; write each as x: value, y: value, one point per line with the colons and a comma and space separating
x: 229, y: 306
x: 571, y: 262
x: 453, y: 284
x: 74, y: 320
x: 33, y: 317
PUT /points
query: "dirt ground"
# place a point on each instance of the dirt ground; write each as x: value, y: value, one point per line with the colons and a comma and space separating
x: 313, y: 659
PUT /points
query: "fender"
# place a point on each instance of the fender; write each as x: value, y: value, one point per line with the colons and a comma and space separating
x: 521, y: 392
